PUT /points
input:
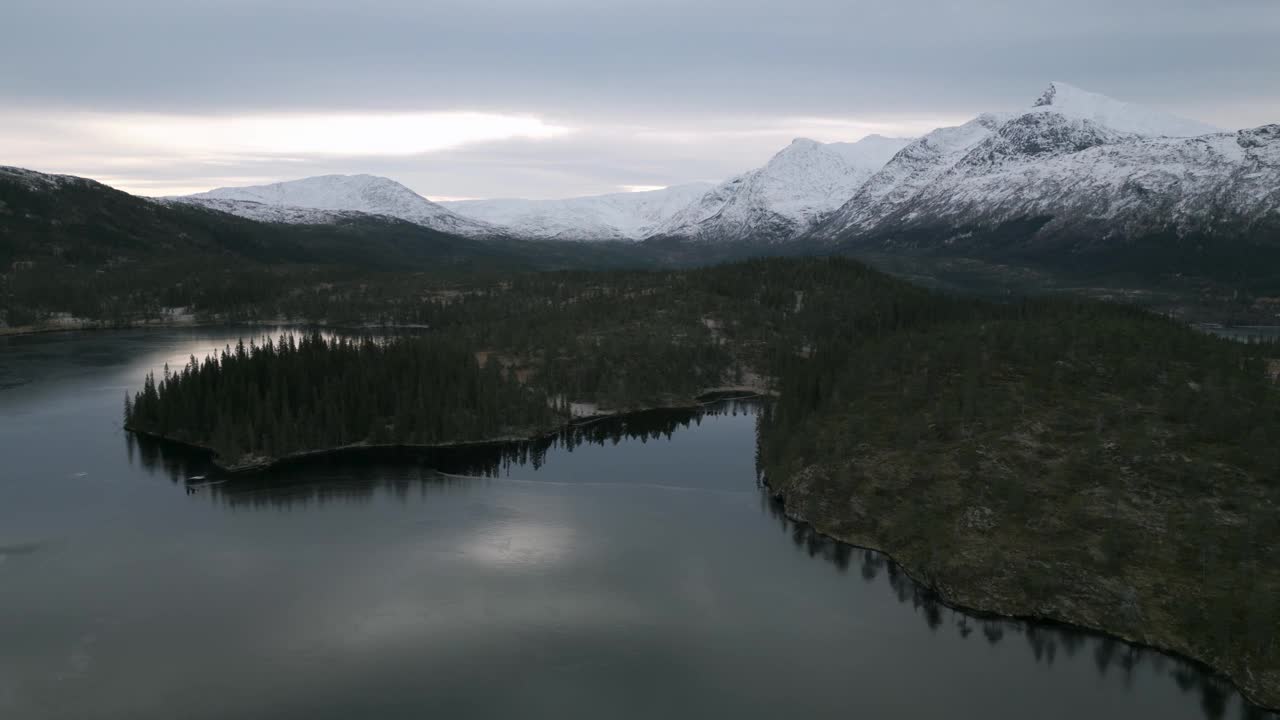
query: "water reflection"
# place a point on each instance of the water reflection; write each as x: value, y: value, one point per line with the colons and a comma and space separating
x: 356, y: 478
x: 359, y: 474
x: 1044, y: 640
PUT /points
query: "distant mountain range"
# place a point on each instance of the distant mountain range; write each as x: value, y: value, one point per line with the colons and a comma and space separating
x: 783, y: 199
x: 1073, y: 165
x: 63, y: 221
x: 1076, y: 180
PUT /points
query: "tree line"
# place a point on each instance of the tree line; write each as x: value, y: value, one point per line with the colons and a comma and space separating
x: 304, y: 393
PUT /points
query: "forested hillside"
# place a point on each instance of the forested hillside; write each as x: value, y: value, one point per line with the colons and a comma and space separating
x: 77, y: 247
x: 1079, y: 462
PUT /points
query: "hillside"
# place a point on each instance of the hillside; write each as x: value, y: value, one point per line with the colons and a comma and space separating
x: 77, y: 221
x: 1083, y: 185
x: 1085, y: 464
x: 75, y: 246
x: 785, y: 198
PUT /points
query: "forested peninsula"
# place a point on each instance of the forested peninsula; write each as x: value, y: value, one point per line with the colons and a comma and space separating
x: 1077, y: 461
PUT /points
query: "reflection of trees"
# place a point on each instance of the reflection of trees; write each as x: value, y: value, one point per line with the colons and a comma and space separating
x: 1112, y: 657
x: 356, y: 475
x: 178, y: 464
x: 1213, y: 699
x: 359, y: 477
x: 1103, y: 654
x: 841, y: 555
x: 871, y: 563
x: 993, y: 631
x: 1044, y: 645
x: 932, y: 609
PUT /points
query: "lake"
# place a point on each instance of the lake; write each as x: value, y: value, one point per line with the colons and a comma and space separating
x: 631, y: 569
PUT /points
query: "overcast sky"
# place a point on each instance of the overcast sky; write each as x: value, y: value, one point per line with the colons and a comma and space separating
x: 552, y: 98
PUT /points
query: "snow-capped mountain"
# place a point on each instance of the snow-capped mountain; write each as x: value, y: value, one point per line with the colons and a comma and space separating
x: 1076, y: 170
x: 327, y: 198
x: 785, y: 198
x: 1072, y: 169
x: 1125, y: 117
x: 913, y: 168
x: 616, y: 216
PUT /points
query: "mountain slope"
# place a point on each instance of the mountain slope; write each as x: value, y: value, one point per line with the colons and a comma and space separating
x: 1060, y: 109
x: 369, y: 194
x: 1078, y: 180
x: 1102, y: 201
x: 787, y: 196
x: 66, y: 221
x: 76, y: 250
x: 263, y: 212
x: 913, y: 168
x: 616, y: 216
x: 1125, y: 117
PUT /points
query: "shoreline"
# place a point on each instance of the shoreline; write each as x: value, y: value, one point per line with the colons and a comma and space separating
x: 1249, y: 692
x: 951, y: 597
x: 191, y: 323
x: 95, y: 326
x: 707, y: 397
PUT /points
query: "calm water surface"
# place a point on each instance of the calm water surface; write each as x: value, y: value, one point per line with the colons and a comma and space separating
x: 636, y: 571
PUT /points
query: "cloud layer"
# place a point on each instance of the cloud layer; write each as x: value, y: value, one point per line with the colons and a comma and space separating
x: 546, y: 98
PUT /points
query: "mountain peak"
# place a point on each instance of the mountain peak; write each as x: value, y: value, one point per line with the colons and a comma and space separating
x: 1060, y: 93
x: 1126, y: 117
x: 369, y: 194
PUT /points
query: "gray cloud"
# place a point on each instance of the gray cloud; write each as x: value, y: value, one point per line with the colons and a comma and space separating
x: 718, y: 68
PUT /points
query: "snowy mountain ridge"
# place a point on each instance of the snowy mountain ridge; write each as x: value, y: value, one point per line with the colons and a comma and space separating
x: 787, y: 196
x: 330, y: 197
x: 38, y: 180
x: 1076, y: 171
x: 782, y: 199
x: 614, y: 216
x: 1072, y: 161
x: 1125, y: 117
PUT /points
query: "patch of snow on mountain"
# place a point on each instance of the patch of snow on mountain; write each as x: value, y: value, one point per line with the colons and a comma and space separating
x: 615, y: 216
x: 1128, y: 182
x: 1074, y: 182
x: 1122, y: 116
x: 367, y: 194
x: 914, y: 166
x: 1007, y: 149
x: 797, y: 187
x: 262, y: 212
x: 36, y: 180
